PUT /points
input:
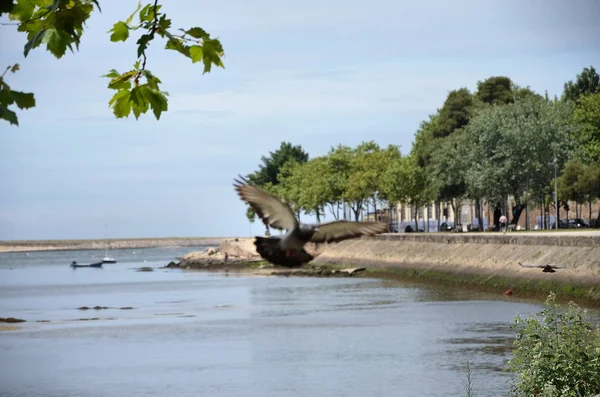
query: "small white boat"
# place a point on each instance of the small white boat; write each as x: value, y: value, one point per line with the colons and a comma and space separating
x: 107, y: 259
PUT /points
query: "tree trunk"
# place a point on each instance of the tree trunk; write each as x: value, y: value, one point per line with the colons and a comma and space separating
x: 437, y: 214
x: 542, y: 225
x: 527, y: 221
x: 454, y: 211
x: 318, y: 215
x: 478, y: 214
x: 374, y: 210
x: 416, y: 218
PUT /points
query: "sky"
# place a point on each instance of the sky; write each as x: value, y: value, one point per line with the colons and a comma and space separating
x: 314, y: 73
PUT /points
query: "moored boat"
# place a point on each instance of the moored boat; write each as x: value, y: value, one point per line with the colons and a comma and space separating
x: 74, y: 264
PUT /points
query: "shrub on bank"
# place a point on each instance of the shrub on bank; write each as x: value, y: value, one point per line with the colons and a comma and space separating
x: 557, y: 353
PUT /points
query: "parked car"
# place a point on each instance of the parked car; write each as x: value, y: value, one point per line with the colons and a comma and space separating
x: 578, y: 223
x: 447, y: 226
x: 562, y: 224
x: 575, y: 223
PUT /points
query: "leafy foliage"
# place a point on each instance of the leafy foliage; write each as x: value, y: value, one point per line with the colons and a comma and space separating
x: 60, y: 24
x: 587, y: 114
x: 8, y: 97
x: 511, y: 146
x: 587, y: 82
x: 269, y: 172
x: 496, y: 90
x: 458, y: 109
x: 557, y: 355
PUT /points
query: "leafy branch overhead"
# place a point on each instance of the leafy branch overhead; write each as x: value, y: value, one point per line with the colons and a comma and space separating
x: 131, y: 95
x: 59, y: 25
x: 23, y: 100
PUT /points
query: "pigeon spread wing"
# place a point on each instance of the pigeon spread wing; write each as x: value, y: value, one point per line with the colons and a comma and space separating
x: 269, y: 208
x: 342, y: 230
x: 268, y: 248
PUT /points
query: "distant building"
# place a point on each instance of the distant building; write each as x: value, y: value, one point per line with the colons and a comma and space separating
x: 430, y: 216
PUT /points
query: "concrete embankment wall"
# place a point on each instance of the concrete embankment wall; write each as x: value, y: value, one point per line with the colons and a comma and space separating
x: 486, y: 260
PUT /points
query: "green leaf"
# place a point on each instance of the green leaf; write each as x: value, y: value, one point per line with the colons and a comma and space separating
x: 8, y: 115
x: 57, y: 42
x: 139, y: 102
x: 54, y: 6
x: 212, y: 54
x: 120, y: 32
x: 122, y: 81
x: 143, y: 43
x: 23, y: 100
x: 121, y: 104
x: 128, y: 21
x: 177, y: 45
x: 163, y: 25
x: 22, y: 10
x: 151, y: 80
x: 196, y: 32
x: 147, y: 13
x: 15, y: 68
x: 112, y: 74
x: 34, y: 42
x: 158, y: 102
x: 196, y: 53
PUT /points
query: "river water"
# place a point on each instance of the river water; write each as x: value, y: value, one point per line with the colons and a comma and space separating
x: 214, y: 334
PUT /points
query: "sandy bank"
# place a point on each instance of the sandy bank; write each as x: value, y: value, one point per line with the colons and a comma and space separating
x: 67, y: 245
x: 480, y: 259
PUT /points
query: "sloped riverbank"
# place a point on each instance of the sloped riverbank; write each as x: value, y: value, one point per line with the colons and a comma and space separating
x: 474, y: 260
x: 485, y: 261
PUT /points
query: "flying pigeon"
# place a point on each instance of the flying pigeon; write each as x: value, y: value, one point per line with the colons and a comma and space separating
x: 288, y: 250
x: 545, y: 268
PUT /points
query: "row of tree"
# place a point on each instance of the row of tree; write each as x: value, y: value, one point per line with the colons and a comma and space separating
x: 500, y: 141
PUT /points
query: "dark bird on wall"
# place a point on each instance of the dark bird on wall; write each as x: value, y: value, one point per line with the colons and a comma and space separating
x: 545, y: 268
x: 288, y: 250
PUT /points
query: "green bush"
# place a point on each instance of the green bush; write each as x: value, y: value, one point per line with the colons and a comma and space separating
x: 557, y: 355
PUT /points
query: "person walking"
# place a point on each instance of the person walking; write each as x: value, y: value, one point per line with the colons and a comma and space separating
x: 503, y: 222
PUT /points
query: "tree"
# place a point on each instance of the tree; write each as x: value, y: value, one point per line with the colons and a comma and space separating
x: 307, y: 184
x: 587, y: 114
x: 404, y: 181
x: 586, y: 82
x: 339, y: 160
x: 589, y: 184
x: 569, y: 188
x: 514, y: 146
x: 59, y: 24
x: 424, y: 138
x: 447, y: 170
x: 456, y: 112
x: 496, y: 90
x: 520, y: 93
x: 268, y: 173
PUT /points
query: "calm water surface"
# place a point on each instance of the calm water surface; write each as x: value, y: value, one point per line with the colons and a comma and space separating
x: 198, y: 333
